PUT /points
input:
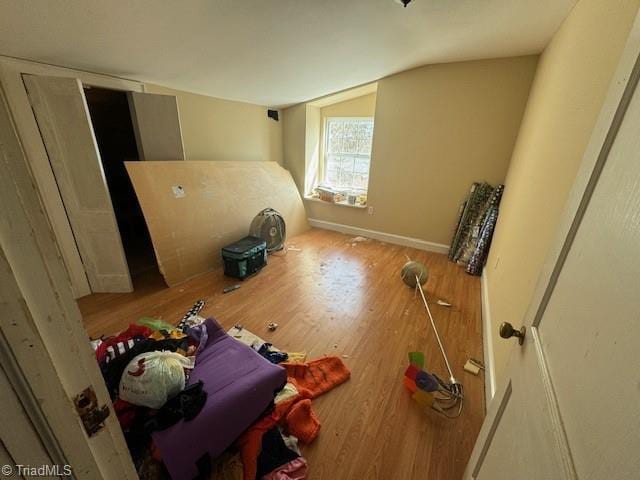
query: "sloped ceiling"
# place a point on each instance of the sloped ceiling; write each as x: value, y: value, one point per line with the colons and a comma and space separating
x: 271, y: 52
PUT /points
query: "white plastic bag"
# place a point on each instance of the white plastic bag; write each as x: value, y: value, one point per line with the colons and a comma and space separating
x: 152, y: 378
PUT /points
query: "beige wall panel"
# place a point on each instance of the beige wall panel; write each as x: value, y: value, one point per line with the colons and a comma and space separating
x: 364, y: 106
x: 220, y: 200
x: 438, y: 128
x: 216, y: 129
x: 572, y: 79
x: 294, y: 121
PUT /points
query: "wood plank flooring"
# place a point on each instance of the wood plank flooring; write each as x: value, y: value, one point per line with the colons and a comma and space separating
x: 339, y: 297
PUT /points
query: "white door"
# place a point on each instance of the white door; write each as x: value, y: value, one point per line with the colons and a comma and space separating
x: 42, y: 336
x: 570, y: 405
x: 61, y: 111
x: 156, y: 123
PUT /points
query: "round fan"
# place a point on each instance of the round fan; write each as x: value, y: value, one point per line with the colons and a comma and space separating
x: 270, y: 227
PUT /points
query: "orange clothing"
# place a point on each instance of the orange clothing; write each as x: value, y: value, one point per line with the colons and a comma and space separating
x: 312, y: 379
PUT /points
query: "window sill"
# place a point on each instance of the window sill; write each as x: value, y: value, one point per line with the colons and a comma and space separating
x: 338, y: 204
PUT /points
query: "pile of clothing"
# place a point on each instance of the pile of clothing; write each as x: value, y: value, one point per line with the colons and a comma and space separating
x: 168, y: 407
x: 145, y: 369
x: 269, y: 448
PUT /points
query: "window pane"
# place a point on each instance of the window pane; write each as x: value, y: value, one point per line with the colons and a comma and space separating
x: 361, y: 165
x: 346, y: 179
x: 332, y: 178
x: 360, y: 181
x: 348, y: 153
x: 347, y: 163
x: 333, y: 163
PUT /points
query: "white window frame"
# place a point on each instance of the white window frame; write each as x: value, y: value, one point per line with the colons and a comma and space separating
x: 325, y: 149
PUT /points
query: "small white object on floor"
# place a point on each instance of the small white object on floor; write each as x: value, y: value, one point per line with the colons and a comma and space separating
x: 443, y: 303
x: 294, y: 249
x: 250, y: 339
x: 345, y: 356
x: 471, y: 367
x: 359, y: 239
x: 272, y: 326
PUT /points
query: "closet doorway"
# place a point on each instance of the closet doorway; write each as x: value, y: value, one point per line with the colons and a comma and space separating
x: 88, y: 132
x: 116, y: 140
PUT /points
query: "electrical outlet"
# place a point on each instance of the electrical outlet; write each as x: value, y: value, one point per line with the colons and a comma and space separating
x: 370, y: 210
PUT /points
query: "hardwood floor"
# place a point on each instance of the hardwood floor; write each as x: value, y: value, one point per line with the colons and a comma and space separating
x: 345, y: 298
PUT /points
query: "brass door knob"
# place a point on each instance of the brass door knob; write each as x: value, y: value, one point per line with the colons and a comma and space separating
x: 507, y: 331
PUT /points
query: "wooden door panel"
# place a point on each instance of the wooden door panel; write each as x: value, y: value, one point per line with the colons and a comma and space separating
x: 156, y: 123
x: 518, y: 447
x: 590, y: 327
x: 63, y: 118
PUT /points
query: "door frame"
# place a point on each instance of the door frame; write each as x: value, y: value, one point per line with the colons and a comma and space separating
x: 42, y: 324
x: 621, y: 89
x: 11, y: 71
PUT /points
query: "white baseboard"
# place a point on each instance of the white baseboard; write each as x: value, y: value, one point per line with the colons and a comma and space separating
x: 487, y: 343
x: 382, y: 236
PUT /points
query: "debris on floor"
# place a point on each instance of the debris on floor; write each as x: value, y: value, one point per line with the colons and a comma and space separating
x: 230, y: 288
x: 359, y: 239
x: 297, y: 357
x: 245, y: 336
x: 150, y: 401
x: 443, y: 303
x: 473, y: 366
x: 192, y: 317
x: 272, y: 326
x: 293, y: 248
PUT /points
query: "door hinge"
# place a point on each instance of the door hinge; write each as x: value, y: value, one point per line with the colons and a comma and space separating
x: 92, y: 416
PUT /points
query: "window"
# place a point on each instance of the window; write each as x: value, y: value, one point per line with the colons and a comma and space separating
x: 347, y: 153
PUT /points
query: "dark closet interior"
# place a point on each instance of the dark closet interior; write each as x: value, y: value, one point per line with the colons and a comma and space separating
x: 111, y: 119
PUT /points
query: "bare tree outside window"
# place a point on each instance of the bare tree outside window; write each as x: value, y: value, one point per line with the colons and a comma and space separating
x: 347, y: 154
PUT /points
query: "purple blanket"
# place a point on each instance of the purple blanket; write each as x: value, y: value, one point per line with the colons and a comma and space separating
x: 240, y: 386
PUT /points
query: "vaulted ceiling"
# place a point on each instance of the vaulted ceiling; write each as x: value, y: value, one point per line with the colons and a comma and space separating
x: 271, y: 52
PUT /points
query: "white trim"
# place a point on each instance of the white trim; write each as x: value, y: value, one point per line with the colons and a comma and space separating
x: 487, y: 343
x: 382, y: 236
x: 337, y: 204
